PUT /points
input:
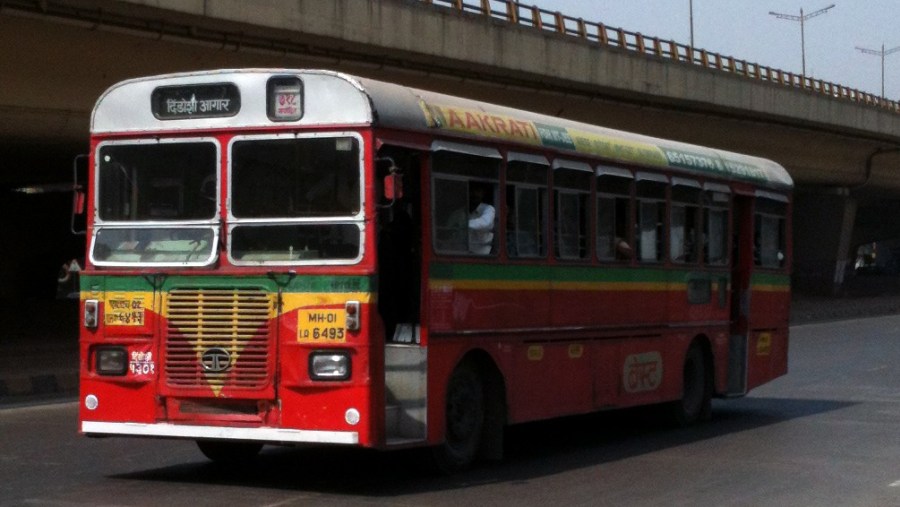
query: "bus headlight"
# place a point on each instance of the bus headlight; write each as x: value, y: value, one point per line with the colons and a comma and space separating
x: 112, y: 360
x: 329, y: 366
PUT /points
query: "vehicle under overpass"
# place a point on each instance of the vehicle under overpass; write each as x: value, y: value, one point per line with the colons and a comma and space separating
x: 842, y: 149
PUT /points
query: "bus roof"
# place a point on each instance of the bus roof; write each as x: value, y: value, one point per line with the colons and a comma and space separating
x: 230, y: 99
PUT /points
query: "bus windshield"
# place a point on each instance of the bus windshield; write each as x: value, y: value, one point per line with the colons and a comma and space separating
x: 295, y: 199
x: 148, y: 194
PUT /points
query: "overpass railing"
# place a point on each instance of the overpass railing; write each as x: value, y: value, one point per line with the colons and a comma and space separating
x: 515, y: 13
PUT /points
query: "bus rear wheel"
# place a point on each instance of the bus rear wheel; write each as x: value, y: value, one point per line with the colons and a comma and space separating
x: 465, y: 416
x: 232, y: 453
x: 695, y: 404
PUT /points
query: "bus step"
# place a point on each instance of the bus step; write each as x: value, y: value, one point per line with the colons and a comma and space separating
x: 404, y: 423
x: 403, y: 442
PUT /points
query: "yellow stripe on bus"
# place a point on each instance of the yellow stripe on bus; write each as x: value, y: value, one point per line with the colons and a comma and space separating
x: 620, y: 286
x: 294, y: 301
x: 143, y: 300
x: 438, y: 285
x: 771, y: 288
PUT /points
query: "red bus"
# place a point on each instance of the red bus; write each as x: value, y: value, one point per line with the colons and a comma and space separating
x: 295, y: 256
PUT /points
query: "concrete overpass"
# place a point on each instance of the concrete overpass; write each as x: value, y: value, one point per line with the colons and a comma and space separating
x: 841, y: 146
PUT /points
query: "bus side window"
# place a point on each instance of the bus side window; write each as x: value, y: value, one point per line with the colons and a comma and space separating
x: 769, y: 234
x: 651, y: 216
x: 614, y: 241
x: 715, y: 228
x: 526, y: 201
x: 572, y: 192
x: 683, y: 244
x: 464, y: 197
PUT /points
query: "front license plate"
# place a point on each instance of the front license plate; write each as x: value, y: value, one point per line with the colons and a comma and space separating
x: 321, y: 326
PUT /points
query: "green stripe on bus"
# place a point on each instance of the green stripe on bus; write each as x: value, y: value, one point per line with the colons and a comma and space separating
x: 566, y: 274
x: 298, y: 283
x: 770, y: 279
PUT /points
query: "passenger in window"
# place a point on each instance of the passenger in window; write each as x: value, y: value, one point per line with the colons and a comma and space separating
x: 481, y: 220
x: 623, y: 249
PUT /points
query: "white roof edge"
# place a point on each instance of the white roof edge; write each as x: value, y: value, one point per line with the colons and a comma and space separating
x: 396, y: 106
x: 126, y: 106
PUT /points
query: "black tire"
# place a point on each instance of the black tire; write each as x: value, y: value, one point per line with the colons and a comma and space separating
x: 465, y: 416
x: 232, y: 453
x: 695, y: 404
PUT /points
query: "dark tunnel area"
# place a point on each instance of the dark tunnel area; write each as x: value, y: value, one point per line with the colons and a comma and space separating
x: 37, y: 236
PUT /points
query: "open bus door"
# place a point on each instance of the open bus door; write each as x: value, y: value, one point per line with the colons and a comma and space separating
x: 741, y: 274
x: 399, y: 293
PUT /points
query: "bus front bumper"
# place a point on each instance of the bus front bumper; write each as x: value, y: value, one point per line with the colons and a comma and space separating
x: 264, y: 435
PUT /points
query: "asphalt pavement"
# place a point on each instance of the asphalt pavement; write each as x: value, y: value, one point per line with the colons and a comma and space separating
x: 38, y: 349
x: 39, y: 341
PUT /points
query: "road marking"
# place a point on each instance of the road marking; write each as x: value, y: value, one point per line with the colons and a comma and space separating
x: 895, y: 484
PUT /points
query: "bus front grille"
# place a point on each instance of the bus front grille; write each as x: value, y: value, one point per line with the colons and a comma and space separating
x: 217, y: 338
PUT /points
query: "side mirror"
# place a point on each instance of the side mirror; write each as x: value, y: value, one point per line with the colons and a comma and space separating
x: 78, y: 202
x: 79, y: 196
x: 393, y: 186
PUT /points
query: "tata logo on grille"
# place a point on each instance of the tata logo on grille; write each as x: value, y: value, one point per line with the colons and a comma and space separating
x: 215, y: 360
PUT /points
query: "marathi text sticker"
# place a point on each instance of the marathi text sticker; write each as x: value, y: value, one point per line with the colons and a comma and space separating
x: 125, y: 310
x: 576, y: 351
x: 141, y: 363
x: 535, y: 353
x: 642, y: 372
x: 321, y: 326
x: 764, y: 344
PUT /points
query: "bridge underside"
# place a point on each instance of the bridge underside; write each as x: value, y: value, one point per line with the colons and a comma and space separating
x: 60, y: 68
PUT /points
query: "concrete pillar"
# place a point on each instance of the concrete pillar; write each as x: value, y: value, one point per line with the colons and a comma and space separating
x: 823, y: 228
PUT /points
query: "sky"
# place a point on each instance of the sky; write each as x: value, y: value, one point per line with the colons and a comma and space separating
x: 745, y: 29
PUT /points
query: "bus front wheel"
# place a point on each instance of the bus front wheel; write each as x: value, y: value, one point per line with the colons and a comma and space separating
x: 695, y: 404
x: 465, y: 416
x: 229, y: 452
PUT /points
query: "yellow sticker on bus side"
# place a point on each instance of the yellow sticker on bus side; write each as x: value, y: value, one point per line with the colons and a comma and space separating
x: 764, y: 344
x: 321, y: 325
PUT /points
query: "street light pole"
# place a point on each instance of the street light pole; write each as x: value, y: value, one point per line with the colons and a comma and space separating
x: 802, y: 19
x: 882, y: 54
x: 691, y: 8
